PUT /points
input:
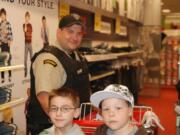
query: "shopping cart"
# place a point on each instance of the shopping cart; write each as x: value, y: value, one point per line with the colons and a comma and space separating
x: 90, y: 118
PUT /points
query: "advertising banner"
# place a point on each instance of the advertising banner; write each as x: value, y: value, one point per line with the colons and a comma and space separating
x: 25, y: 27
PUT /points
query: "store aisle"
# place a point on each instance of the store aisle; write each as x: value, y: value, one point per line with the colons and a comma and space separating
x: 163, y: 106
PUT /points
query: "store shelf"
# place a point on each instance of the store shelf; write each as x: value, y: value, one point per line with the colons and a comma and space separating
x: 129, y: 54
x: 111, y: 56
x: 100, y: 57
x: 6, y: 68
x: 92, y: 78
x: 90, y: 8
x: 12, y: 103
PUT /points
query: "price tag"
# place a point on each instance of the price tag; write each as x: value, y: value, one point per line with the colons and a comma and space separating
x: 118, y: 25
x: 64, y: 9
x: 97, y: 22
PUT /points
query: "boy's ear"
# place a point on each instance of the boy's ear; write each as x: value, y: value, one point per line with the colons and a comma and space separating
x: 77, y: 113
x: 130, y: 111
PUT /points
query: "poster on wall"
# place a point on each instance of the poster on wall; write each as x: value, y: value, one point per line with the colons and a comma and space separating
x: 26, y: 26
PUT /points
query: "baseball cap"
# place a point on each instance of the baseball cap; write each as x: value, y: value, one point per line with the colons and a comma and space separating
x: 69, y: 20
x: 112, y: 91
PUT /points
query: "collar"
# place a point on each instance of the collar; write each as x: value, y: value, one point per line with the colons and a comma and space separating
x: 65, y: 51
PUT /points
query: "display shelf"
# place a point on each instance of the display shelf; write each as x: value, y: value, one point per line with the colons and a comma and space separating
x: 6, y: 68
x: 92, y: 78
x: 12, y: 103
x: 111, y: 56
x: 90, y: 8
x: 129, y: 54
x: 100, y: 57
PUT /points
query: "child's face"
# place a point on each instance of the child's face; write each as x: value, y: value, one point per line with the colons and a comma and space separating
x: 116, y: 113
x: 62, y: 112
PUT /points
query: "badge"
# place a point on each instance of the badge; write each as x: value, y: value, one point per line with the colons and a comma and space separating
x: 51, y: 62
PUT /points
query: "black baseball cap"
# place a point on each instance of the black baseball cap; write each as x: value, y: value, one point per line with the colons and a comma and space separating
x: 69, y: 20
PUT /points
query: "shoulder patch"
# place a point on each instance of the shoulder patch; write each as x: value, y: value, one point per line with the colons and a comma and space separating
x: 51, y: 62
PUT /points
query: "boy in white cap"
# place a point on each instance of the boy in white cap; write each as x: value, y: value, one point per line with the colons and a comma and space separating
x: 116, y: 104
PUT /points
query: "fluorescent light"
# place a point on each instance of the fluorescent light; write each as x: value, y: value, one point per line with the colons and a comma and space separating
x: 166, y: 10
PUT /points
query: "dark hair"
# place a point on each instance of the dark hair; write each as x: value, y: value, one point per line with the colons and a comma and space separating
x: 2, y: 11
x: 43, y: 18
x: 27, y: 14
x: 66, y: 92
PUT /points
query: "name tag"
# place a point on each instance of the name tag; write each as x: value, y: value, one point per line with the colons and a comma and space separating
x: 79, y: 71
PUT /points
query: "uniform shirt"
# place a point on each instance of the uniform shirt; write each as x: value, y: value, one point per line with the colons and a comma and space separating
x: 47, y: 76
x: 75, y: 130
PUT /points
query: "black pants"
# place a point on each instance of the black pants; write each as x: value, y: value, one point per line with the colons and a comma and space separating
x: 5, y: 48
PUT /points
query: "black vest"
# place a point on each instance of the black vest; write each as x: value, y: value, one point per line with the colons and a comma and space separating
x: 77, y: 79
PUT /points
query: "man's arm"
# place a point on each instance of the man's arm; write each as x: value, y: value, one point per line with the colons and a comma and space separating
x: 47, y: 77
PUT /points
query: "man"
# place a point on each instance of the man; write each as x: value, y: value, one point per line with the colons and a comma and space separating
x: 44, y: 32
x: 6, y: 38
x: 54, y: 67
x: 27, y: 28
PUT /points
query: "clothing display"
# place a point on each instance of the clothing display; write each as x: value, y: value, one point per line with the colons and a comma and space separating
x: 5, y: 95
x: 8, y: 128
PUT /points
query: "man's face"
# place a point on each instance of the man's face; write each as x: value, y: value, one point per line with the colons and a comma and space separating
x: 70, y: 37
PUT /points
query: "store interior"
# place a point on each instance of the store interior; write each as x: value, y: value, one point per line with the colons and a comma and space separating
x: 131, y: 42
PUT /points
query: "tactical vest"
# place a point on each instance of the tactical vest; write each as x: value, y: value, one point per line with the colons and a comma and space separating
x: 77, y: 79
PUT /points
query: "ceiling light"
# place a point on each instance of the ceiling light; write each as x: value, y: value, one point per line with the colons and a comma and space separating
x: 166, y: 10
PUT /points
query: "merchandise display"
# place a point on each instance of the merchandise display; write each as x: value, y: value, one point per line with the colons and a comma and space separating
x: 8, y: 128
x: 169, y: 60
x: 5, y: 95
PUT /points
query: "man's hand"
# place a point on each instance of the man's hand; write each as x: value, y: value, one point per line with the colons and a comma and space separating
x: 43, y: 98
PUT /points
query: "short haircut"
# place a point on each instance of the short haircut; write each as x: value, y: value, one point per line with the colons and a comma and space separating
x: 27, y: 14
x: 66, y: 92
x: 2, y: 11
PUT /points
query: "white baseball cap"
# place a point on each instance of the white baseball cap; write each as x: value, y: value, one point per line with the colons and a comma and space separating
x: 112, y: 91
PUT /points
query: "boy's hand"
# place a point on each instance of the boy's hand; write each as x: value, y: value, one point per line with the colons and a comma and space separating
x: 150, y: 117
